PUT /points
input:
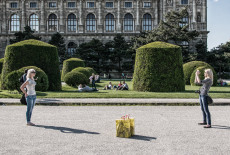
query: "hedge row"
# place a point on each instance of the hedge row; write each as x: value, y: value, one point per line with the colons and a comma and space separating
x: 33, y: 53
x: 158, y: 68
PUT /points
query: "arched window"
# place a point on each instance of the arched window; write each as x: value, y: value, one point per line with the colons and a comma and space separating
x: 128, y: 22
x: 14, y: 23
x: 184, y: 1
x: 34, y: 23
x: 198, y: 17
x: 72, y: 22
x: 109, y: 22
x: 52, y: 23
x: 90, y: 22
x: 147, y: 22
x: 71, y: 48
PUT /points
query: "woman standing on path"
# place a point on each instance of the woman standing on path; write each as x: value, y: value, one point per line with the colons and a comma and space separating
x: 30, y: 94
x: 206, y: 84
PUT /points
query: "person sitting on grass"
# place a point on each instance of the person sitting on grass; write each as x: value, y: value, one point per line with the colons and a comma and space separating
x: 109, y: 86
x: 124, y: 86
x: 85, y: 88
x: 118, y: 86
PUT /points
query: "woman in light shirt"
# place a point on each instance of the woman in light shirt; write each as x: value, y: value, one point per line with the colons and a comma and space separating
x: 30, y: 94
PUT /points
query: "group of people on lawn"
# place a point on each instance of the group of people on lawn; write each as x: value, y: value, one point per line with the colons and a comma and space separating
x: 110, y: 86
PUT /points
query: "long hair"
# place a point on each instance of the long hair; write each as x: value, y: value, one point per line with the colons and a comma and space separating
x: 209, y: 73
x: 29, y: 74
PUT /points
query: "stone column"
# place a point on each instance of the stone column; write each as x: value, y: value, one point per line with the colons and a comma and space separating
x: 194, y: 12
x: 99, y: 22
x: 23, y: 17
x: 156, y: 14
x: 4, y: 22
x: 61, y: 26
x: 163, y: 9
x: 204, y: 11
x: 118, y: 28
x: 137, y: 25
x: 42, y: 19
x: 81, y: 21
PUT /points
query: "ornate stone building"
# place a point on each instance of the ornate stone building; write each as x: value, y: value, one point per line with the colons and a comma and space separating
x: 81, y: 20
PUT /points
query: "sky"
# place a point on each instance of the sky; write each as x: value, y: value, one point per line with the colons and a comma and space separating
x: 218, y: 22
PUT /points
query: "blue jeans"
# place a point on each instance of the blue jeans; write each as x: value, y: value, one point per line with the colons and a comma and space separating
x: 30, y: 100
x: 205, y: 110
x: 93, y: 84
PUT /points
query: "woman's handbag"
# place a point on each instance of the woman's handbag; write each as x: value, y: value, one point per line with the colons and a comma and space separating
x: 209, y: 99
x: 23, y: 100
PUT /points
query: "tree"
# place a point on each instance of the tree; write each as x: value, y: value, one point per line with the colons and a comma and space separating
x: 120, y: 52
x: 94, y: 54
x: 219, y: 58
x: 25, y: 35
x: 201, y: 50
x: 174, y: 30
x: 58, y: 41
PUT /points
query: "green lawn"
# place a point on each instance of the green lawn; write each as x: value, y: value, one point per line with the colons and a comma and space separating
x: 70, y: 92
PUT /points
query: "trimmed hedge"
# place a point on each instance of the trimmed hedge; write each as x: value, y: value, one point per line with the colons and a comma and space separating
x: 91, y: 70
x: 158, y: 68
x: 70, y: 64
x: 83, y: 70
x: 75, y: 78
x: 201, y: 69
x: 12, y: 79
x: 1, y: 64
x: 189, y: 67
x: 33, y: 53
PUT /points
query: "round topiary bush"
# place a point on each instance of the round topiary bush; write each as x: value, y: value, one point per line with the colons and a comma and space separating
x: 91, y: 70
x: 12, y: 79
x: 33, y: 53
x: 202, y: 69
x: 82, y: 70
x: 189, y: 67
x: 158, y: 68
x: 75, y: 78
x: 70, y: 64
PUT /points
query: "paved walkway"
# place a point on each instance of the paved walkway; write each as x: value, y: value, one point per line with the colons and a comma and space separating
x: 114, y: 101
x: 80, y: 130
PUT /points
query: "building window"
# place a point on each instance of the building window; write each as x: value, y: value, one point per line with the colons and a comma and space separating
x: 198, y: 17
x: 33, y: 5
x: 90, y: 5
x: 71, y: 48
x: 90, y: 23
x: 34, y: 22
x: 184, y: 1
x: 184, y: 22
x: 14, y: 5
x: 109, y: 22
x: 147, y: 22
x: 52, y: 22
x: 72, y: 23
x: 52, y: 4
x: 15, y: 23
x: 109, y: 4
x: 128, y: 4
x: 71, y: 4
x: 128, y: 22
x: 147, y: 4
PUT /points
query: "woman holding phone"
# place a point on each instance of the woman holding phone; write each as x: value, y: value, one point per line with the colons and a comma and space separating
x: 30, y: 94
x: 206, y: 84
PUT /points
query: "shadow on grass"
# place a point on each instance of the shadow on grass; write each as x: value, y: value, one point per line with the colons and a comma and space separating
x: 144, y: 138
x: 221, y: 127
x: 66, y: 130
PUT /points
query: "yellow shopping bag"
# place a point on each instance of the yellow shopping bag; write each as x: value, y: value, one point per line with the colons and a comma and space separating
x: 125, y: 127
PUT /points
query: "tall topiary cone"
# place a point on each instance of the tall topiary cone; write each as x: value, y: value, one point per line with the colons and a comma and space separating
x: 159, y: 68
x: 33, y: 53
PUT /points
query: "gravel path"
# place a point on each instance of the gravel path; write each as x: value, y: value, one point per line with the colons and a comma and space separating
x: 91, y: 130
